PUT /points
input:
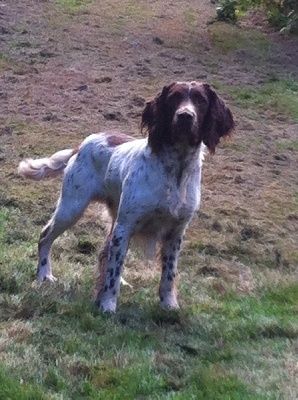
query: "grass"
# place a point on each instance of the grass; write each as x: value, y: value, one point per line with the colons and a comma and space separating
x: 271, y: 314
x: 227, y: 38
x: 55, y: 340
x: 8, y: 63
x: 5, y: 63
x: 191, y: 18
x: 279, y: 96
x: 122, y: 17
x: 11, y: 388
x: 291, y: 145
x: 72, y: 6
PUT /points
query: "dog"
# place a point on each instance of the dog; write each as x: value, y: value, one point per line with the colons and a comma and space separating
x: 150, y: 186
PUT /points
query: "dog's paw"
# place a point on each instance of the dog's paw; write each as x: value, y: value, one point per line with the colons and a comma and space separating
x: 106, y: 304
x: 44, y: 278
x: 169, y: 302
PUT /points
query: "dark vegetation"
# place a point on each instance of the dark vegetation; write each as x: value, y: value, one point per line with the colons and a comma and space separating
x: 282, y: 14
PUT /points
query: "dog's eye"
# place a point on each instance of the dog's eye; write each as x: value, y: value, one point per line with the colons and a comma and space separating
x: 175, y: 98
x: 198, y: 98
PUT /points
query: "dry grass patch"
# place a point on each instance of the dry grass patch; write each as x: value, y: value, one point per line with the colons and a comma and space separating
x: 227, y: 38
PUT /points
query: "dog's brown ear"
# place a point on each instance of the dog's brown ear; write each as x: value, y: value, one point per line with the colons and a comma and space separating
x: 148, y: 116
x: 154, y: 120
x: 218, y: 121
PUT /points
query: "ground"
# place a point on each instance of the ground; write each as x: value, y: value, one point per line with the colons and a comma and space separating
x: 72, y: 67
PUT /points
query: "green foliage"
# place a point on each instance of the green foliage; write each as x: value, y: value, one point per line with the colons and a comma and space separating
x: 227, y: 11
x: 282, y: 14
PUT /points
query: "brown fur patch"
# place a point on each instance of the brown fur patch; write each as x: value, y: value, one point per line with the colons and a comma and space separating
x: 115, y: 139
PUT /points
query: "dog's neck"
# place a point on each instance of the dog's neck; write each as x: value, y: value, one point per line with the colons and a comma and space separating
x: 178, y: 158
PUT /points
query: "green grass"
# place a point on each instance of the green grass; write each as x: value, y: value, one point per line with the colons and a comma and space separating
x: 279, y: 96
x: 72, y: 6
x: 53, y: 338
x: 56, y: 343
x: 272, y: 314
x: 11, y: 388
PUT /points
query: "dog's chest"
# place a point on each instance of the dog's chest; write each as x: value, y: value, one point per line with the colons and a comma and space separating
x: 181, y: 196
x: 148, y: 188
x: 159, y: 195
x: 165, y: 208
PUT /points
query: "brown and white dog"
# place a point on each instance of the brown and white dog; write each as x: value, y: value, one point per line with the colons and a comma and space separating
x: 151, y: 186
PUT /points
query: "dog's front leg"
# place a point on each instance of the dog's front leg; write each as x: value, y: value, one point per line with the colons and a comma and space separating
x: 110, y: 265
x: 169, y: 258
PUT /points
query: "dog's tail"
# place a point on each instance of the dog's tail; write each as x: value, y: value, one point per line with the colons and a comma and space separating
x: 49, y: 167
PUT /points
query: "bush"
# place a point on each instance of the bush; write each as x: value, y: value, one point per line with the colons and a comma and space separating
x: 227, y: 11
x: 282, y: 14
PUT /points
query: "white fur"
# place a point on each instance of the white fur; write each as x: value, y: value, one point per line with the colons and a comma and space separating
x: 43, y: 168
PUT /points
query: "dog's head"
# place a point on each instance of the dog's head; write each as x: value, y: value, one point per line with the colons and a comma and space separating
x: 186, y: 112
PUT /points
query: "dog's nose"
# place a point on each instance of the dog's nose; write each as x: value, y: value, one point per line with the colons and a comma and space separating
x: 185, y: 116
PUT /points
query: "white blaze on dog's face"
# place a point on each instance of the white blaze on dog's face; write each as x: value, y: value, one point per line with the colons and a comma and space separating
x: 186, y: 113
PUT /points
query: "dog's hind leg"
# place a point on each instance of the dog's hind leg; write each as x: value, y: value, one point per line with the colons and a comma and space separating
x: 58, y: 224
x: 77, y: 192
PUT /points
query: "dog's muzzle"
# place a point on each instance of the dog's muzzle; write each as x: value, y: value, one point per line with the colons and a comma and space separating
x: 185, y: 124
x: 185, y: 117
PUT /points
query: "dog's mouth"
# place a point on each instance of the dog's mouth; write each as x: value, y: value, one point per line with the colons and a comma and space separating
x: 185, y: 129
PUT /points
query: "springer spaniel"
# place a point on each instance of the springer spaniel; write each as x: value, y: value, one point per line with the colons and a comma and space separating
x: 151, y: 186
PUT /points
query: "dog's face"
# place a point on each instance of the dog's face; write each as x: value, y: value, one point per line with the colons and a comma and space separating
x: 185, y: 107
x: 189, y: 113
